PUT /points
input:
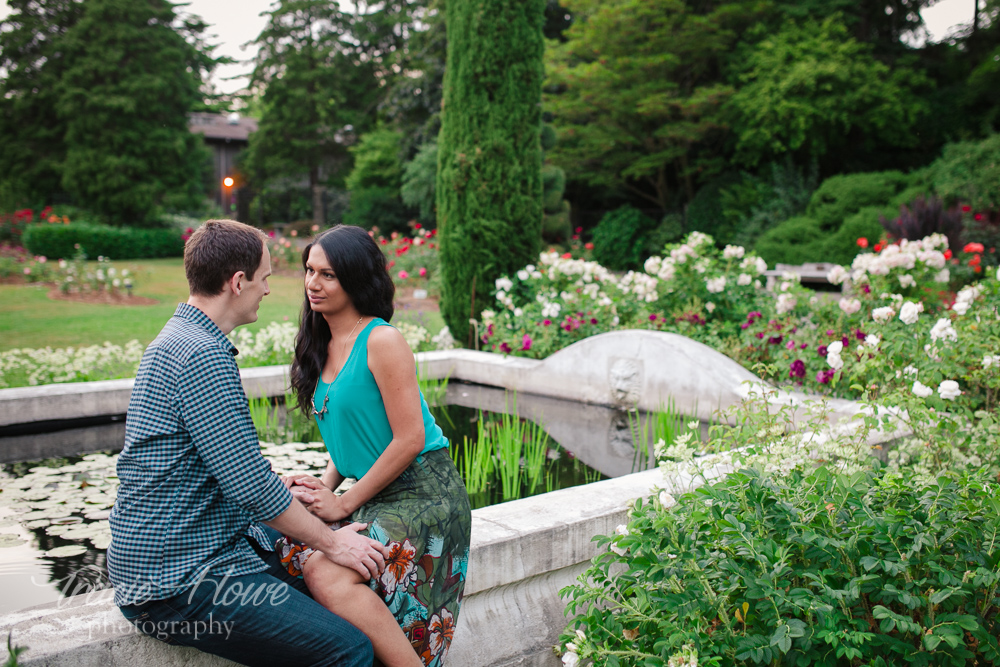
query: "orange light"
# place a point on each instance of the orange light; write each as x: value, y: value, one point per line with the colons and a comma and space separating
x: 228, y: 181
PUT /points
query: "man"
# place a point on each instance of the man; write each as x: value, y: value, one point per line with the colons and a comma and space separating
x: 189, y: 560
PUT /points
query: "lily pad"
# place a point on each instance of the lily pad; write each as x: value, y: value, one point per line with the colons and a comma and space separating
x: 66, y: 552
x: 102, y: 541
x: 97, y: 515
x: 10, y: 540
x: 39, y: 523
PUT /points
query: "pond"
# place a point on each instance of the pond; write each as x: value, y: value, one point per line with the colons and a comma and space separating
x: 54, y: 511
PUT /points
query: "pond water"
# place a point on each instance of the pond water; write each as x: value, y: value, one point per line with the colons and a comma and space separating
x: 54, y: 511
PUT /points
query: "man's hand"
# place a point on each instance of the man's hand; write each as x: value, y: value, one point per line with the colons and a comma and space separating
x: 364, y: 555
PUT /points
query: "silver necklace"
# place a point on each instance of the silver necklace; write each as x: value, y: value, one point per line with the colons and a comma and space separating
x: 326, y: 398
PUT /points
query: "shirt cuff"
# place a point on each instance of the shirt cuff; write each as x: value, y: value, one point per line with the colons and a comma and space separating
x: 273, y: 500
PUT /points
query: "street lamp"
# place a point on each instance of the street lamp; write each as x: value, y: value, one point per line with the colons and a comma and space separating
x: 227, y: 191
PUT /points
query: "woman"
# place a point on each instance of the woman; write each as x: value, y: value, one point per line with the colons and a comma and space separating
x: 356, y: 374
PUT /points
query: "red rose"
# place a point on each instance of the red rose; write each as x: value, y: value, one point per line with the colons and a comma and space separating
x: 973, y: 247
x: 862, y: 242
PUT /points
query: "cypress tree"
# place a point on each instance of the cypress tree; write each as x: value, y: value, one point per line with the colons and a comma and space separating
x: 489, y: 185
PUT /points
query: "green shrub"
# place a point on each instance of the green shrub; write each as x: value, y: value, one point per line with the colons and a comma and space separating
x: 556, y: 227
x: 620, y: 238
x: 874, y: 568
x: 553, y: 188
x: 670, y: 230
x: 842, y: 246
x: 60, y: 241
x: 706, y: 214
x: 378, y: 207
x: 969, y: 172
x: 840, y: 196
x: 793, y: 241
x: 419, y: 174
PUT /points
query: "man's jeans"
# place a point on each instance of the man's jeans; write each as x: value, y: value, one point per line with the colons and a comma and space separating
x: 258, y: 619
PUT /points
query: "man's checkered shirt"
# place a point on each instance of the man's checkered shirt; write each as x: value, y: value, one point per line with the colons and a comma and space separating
x: 192, y: 479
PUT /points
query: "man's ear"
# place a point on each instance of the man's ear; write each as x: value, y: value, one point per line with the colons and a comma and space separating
x: 237, y: 283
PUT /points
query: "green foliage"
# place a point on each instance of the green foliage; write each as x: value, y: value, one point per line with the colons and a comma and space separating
x: 34, y: 61
x: 553, y: 188
x: 319, y: 91
x: 636, y: 96
x: 814, y: 568
x: 374, y: 183
x: 670, y: 230
x: 620, y: 238
x: 419, y: 176
x: 793, y: 241
x: 841, y: 246
x: 810, y: 87
x: 840, y: 196
x: 556, y: 227
x: 969, y: 172
x: 754, y: 204
x: 60, y: 241
x: 705, y: 212
x: 134, y: 72
x: 489, y: 187
x: 13, y: 651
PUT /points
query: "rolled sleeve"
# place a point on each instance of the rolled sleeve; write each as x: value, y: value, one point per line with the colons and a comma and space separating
x: 214, y: 410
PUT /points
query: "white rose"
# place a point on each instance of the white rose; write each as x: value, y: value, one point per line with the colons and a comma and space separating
x: 716, y: 285
x: 871, y: 340
x: 989, y: 360
x: 961, y: 307
x: 834, y: 360
x: 942, y: 330
x: 570, y: 659
x: 666, y: 500
x: 504, y: 284
x: 949, y: 390
x: 998, y: 273
x: 522, y: 275
x: 850, y: 306
x: 786, y: 303
x: 883, y: 314
x: 710, y: 307
x: 743, y: 279
x: 921, y: 390
x: 836, y: 347
x: 943, y: 276
x: 733, y: 252
x: 906, y: 280
x: 837, y: 275
x: 909, y: 313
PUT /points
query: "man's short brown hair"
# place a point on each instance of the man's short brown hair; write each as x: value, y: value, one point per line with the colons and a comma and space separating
x: 218, y: 250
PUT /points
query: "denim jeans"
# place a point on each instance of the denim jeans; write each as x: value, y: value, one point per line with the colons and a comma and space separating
x: 267, y: 618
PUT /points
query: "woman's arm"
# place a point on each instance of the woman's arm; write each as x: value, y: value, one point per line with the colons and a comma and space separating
x: 391, y: 363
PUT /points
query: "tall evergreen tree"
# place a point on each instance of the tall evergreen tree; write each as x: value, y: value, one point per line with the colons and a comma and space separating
x: 33, y: 60
x: 489, y: 188
x: 132, y: 78
x: 319, y: 93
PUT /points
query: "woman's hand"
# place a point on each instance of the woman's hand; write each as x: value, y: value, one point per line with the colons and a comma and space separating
x: 318, y: 499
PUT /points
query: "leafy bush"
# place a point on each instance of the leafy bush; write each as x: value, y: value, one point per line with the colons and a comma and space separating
x: 840, y: 196
x: 705, y: 212
x: 841, y: 247
x: 419, y: 175
x: 793, y: 241
x: 816, y: 568
x: 924, y: 217
x: 62, y: 241
x: 754, y: 205
x: 620, y: 238
x: 969, y: 172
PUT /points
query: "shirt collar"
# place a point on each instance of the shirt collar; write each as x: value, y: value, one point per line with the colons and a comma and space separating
x: 192, y: 314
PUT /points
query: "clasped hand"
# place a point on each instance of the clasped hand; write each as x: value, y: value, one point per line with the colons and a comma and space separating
x: 317, y: 497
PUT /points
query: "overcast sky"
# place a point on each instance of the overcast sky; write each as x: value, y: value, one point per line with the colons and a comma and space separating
x: 236, y: 22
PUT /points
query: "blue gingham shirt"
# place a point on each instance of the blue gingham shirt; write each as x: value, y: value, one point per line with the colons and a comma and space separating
x: 192, y: 479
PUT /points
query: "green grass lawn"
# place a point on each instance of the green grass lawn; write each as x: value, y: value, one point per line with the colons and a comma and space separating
x: 30, y: 319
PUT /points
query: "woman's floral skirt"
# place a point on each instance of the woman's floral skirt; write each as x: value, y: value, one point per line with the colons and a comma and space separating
x: 425, y: 520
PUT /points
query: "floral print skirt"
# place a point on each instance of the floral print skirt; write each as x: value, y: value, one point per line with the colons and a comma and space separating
x: 425, y: 519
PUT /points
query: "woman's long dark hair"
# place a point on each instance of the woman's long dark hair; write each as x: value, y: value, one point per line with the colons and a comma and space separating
x: 363, y: 273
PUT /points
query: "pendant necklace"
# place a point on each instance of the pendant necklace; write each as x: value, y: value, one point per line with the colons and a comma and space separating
x: 326, y: 398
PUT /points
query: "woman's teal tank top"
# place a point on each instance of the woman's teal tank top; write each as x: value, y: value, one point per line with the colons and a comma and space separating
x: 356, y: 429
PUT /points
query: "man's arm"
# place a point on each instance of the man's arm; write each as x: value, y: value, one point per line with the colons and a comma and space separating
x: 344, y: 547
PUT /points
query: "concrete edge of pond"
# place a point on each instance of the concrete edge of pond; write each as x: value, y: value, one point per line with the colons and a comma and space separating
x: 523, y: 552
x: 623, y: 369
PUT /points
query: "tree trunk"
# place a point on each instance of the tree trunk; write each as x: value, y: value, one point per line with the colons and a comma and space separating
x: 319, y: 215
